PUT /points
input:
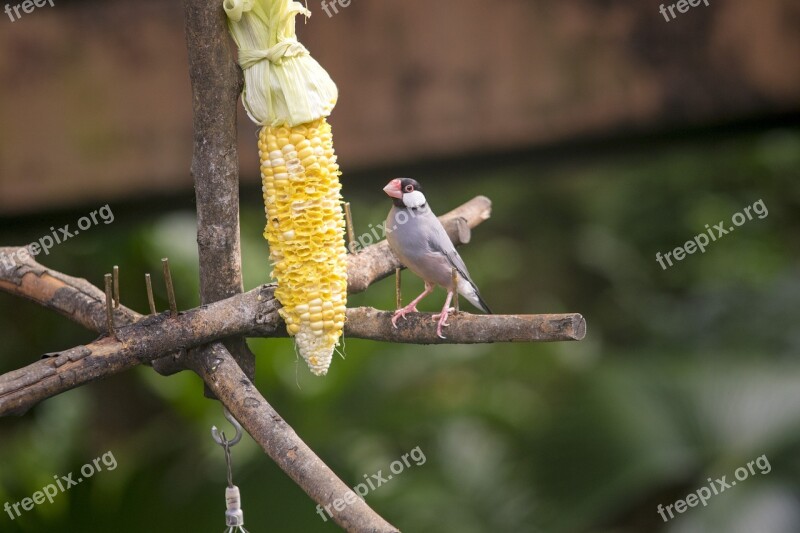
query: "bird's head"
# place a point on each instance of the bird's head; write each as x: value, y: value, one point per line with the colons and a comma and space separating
x: 405, y: 192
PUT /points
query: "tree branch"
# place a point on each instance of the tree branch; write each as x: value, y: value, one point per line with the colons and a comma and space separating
x: 75, y: 298
x: 216, y: 86
x: 464, y: 328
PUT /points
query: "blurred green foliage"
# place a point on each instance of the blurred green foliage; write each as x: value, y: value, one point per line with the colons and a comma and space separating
x: 685, y: 374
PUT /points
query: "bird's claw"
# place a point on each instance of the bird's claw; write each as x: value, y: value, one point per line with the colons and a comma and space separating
x: 437, y: 316
x: 401, y: 313
x: 442, y: 318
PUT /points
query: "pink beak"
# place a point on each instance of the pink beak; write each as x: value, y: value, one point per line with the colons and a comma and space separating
x: 393, y: 189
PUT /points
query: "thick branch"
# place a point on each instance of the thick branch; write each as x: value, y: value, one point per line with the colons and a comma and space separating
x: 147, y: 339
x: 465, y: 328
x: 75, y: 298
x: 216, y: 85
x: 59, y: 372
x: 281, y: 443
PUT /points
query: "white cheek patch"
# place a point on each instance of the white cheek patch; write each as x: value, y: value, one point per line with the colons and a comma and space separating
x: 414, y: 199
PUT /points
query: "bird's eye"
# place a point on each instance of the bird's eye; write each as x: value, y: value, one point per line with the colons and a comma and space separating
x: 409, y: 188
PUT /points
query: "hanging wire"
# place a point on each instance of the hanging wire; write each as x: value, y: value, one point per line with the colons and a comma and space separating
x: 234, y: 516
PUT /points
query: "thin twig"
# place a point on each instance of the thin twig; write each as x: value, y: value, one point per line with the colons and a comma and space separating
x: 109, y: 306
x: 150, y: 300
x: 173, y: 306
x: 454, y: 275
x: 398, y: 294
x: 352, y: 246
x: 116, y: 286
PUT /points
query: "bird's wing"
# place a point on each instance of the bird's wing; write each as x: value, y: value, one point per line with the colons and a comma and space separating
x: 454, y: 259
x: 445, y: 247
x: 471, y: 292
x: 439, y: 242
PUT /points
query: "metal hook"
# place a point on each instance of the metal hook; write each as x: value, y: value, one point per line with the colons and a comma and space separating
x: 219, y: 436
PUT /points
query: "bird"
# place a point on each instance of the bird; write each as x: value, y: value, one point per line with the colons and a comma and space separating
x: 420, y: 242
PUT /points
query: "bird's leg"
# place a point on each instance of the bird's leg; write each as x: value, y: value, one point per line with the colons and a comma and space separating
x: 412, y: 307
x: 442, y: 317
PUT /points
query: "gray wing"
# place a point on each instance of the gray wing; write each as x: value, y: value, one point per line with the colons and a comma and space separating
x: 440, y: 243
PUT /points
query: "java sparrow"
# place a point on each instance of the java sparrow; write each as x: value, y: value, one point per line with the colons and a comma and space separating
x: 421, y: 244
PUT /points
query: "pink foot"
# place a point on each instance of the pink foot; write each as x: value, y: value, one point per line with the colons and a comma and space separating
x: 442, y: 318
x: 401, y: 313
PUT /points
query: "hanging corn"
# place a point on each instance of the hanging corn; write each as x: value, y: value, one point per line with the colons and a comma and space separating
x: 290, y: 95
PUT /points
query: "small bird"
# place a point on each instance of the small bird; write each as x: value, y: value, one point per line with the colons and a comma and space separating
x: 421, y: 243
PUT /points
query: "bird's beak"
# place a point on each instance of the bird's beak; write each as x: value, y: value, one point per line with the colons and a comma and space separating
x: 393, y: 189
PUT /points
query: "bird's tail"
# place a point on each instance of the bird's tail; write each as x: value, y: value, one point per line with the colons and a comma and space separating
x: 468, y: 290
x: 483, y: 307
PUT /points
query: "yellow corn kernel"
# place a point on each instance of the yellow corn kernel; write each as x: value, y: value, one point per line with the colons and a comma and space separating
x: 305, y: 231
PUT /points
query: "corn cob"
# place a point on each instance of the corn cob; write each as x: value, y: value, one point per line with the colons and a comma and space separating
x: 305, y: 229
x: 290, y: 95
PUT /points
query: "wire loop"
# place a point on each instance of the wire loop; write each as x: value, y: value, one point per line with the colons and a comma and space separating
x: 219, y: 436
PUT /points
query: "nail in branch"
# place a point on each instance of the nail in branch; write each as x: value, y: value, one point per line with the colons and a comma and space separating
x: 173, y: 307
x: 150, y: 300
x: 398, y: 295
x: 109, y: 306
x: 351, y: 233
x: 116, y: 286
x: 455, y: 289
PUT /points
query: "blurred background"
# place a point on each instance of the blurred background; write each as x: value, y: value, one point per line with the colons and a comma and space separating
x: 603, y: 134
